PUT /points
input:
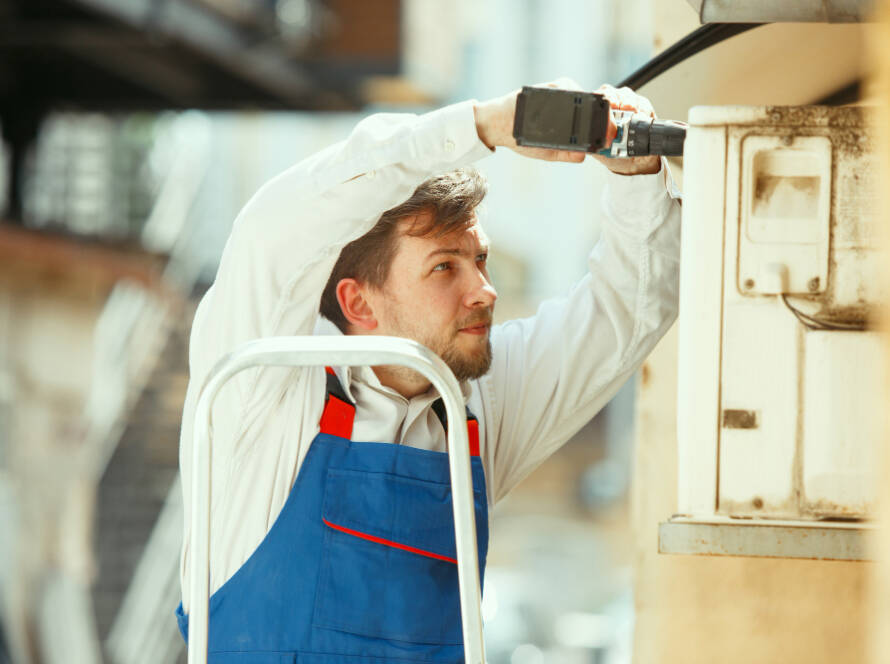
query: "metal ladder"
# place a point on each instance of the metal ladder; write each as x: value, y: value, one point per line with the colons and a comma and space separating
x: 315, y: 351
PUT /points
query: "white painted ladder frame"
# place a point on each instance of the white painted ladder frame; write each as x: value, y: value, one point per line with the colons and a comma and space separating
x: 316, y: 351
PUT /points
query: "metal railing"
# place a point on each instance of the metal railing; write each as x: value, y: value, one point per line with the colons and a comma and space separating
x: 144, y: 631
x: 314, y: 351
x: 133, y: 330
x: 133, y: 327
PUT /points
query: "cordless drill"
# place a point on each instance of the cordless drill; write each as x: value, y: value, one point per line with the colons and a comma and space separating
x: 578, y: 121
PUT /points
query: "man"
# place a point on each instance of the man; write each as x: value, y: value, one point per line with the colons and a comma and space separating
x: 331, y: 531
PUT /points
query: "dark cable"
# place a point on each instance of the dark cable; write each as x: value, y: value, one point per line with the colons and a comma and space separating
x: 696, y: 41
x: 814, y: 323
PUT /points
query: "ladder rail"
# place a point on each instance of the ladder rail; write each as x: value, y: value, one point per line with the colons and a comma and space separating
x: 314, y: 351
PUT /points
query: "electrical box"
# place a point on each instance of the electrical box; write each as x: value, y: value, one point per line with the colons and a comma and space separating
x: 781, y: 374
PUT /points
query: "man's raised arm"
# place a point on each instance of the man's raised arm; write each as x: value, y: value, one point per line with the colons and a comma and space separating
x: 552, y: 372
x: 286, y: 240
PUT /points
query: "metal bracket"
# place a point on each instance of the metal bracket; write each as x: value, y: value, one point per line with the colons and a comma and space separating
x: 817, y: 540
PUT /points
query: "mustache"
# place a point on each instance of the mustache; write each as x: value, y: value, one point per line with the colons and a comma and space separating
x: 482, y: 318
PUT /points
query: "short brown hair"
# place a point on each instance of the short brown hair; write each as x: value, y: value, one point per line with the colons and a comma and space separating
x: 450, y: 199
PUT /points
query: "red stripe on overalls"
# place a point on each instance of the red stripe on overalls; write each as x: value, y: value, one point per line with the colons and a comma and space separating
x: 386, y: 542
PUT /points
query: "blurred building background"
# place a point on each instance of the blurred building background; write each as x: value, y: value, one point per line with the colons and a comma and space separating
x: 120, y: 198
x: 134, y: 131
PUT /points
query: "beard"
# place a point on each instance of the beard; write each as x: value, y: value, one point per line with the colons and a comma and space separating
x: 466, y: 367
x: 464, y: 364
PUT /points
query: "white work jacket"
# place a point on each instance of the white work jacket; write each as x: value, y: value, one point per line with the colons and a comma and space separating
x: 550, y: 373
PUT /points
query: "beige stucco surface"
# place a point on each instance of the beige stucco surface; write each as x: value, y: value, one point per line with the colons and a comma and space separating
x: 879, y: 624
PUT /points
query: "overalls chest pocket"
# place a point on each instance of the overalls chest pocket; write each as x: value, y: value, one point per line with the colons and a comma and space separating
x: 389, y: 565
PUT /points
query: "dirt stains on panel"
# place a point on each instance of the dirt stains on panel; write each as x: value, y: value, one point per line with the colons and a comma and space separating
x: 813, y: 116
x: 740, y: 419
x: 760, y: 507
x: 828, y: 510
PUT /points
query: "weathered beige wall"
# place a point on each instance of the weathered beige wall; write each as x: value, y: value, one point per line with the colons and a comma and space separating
x: 719, y: 609
x: 880, y: 623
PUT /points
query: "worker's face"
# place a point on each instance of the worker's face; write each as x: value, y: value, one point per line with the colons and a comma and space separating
x: 439, y: 294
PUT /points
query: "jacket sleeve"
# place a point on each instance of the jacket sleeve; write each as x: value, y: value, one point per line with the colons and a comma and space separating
x: 553, y: 372
x: 286, y: 240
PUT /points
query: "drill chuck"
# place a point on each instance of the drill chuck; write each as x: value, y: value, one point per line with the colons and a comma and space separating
x: 659, y: 137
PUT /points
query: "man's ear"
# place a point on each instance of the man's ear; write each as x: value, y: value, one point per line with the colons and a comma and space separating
x: 354, y: 305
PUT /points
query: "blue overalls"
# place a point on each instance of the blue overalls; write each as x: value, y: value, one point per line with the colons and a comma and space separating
x: 360, y: 565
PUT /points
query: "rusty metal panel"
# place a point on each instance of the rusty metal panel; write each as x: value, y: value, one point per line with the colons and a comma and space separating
x: 771, y: 539
x: 799, y: 378
x: 786, y: 395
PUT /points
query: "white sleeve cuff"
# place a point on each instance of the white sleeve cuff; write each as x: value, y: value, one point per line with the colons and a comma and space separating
x: 639, y: 203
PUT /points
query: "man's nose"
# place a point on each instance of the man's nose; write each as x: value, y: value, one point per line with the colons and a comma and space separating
x: 481, y: 292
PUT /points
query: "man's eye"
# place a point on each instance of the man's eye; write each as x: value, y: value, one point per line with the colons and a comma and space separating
x: 441, y: 267
x: 482, y: 258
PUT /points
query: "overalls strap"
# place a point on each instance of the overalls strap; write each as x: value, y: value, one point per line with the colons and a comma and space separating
x: 339, y: 414
x: 472, y: 425
x: 339, y: 411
